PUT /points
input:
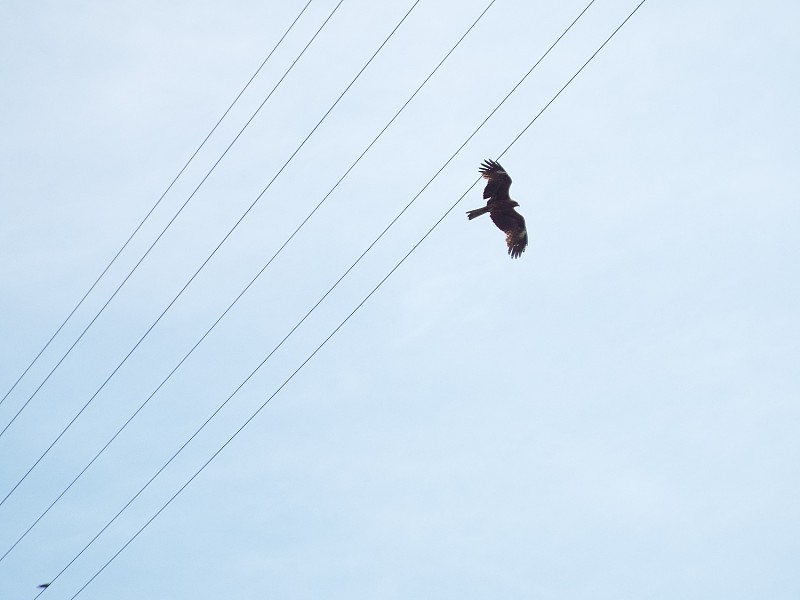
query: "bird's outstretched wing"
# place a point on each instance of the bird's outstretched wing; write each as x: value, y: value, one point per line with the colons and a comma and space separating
x: 498, y: 180
x: 513, y: 225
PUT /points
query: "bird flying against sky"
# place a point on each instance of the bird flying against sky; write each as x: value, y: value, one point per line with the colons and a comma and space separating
x: 500, y: 207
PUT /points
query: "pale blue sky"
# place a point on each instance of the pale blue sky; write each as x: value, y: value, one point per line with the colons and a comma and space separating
x: 613, y: 415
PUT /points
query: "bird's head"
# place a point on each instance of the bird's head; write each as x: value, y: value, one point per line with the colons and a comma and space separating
x: 514, y: 203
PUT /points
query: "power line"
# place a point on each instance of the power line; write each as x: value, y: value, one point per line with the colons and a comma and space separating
x: 150, y: 212
x: 252, y: 281
x: 360, y: 304
x: 160, y: 235
x: 342, y: 323
x: 213, y: 252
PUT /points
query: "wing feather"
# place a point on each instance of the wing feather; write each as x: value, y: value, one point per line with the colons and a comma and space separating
x: 512, y: 224
x: 498, y: 181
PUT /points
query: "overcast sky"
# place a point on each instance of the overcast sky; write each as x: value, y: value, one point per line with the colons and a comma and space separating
x: 613, y: 415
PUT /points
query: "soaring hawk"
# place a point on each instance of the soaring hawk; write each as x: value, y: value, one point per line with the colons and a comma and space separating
x: 500, y: 207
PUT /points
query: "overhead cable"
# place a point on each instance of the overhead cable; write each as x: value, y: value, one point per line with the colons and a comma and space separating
x: 338, y: 327
x: 249, y: 285
x: 342, y: 323
x: 172, y: 220
x: 150, y: 212
x: 210, y: 256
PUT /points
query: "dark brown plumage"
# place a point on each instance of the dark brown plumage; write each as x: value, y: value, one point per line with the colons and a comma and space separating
x: 500, y: 207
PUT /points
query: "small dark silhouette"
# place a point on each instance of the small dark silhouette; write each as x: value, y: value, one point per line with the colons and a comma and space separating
x: 500, y: 207
x: 44, y: 586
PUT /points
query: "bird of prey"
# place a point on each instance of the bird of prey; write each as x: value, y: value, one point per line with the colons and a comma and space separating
x: 500, y: 207
x: 44, y: 586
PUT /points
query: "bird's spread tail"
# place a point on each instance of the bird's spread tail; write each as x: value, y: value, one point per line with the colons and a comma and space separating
x: 471, y: 214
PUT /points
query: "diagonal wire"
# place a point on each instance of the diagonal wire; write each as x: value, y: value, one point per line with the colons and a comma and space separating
x: 147, y: 216
x: 341, y: 324
x: 360, y: 304
x: 210, y: 256
x: 247, y: 287
x: 136, y: 266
